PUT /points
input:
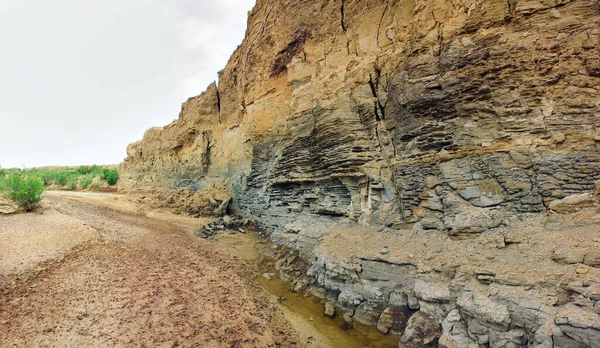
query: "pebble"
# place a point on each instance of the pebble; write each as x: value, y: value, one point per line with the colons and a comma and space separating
x: 268, y: 276
x: 329, y: 309
x: 348, y: 320
x: 385, y: 251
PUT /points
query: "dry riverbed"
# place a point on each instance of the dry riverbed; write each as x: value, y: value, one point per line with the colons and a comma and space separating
x: 93, y: 269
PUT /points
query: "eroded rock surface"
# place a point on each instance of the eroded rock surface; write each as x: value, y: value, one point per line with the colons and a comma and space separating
x: 7, y: 207
x: 460, y: 137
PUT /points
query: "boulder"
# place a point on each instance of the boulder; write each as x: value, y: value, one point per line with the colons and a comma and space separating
x: 329, y: 309
x: 393, y: 319
x: 421, y: 330
x: 368, y: 312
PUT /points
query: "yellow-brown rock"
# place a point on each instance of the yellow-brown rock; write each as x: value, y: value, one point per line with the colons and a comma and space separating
x: 456, y: 116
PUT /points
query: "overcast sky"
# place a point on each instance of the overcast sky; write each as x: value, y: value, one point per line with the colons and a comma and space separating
x: 81, y: 79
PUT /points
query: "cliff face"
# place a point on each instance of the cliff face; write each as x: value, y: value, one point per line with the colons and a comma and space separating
x: 449, y: 122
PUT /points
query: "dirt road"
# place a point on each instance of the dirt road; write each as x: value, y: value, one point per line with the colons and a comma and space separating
x: 133, y: 279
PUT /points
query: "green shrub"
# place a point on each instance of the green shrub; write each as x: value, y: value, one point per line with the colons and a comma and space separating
x: 25, y: 190
x: 71, y: 183
x: 86, y: 181
x: 83, y: 170
x: 70, y: 177
x: 60, y: 177
x: 111, y: 176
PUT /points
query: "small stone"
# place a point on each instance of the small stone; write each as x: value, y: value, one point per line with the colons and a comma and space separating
x: 298, y: 286
x: 582, y: 271
x: 500, y: 243
x: 329, y: 309
x: 268, y: 276
x: 348, y: 320
x: 413, y: 303
x: 385, y: 251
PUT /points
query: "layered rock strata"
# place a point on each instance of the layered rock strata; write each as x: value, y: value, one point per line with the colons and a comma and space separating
x: 459, y: 127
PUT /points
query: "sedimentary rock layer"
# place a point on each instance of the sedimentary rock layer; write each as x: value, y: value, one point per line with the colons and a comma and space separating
x: 449, y: 122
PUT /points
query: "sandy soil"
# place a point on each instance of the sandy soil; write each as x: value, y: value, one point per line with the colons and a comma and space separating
x: 103, y: 272
x: 27, y: 240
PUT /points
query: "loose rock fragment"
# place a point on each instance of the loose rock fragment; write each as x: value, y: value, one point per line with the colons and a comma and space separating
x: 329, y: 309
x: 421, y: 330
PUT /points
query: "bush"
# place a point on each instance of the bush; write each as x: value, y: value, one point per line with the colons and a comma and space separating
x: 72, y: 182
x: 25, y: 190
x: 111, y: 176
x: 86, y: 181
x: 69, y: 177
x: 83, y: 170
x: 60, y: 177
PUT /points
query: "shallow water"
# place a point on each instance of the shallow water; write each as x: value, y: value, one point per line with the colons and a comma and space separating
x: 311, y: 309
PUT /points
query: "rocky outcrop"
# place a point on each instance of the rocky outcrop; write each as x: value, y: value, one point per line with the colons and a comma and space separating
x: 7, y: 207
x: 436, y: 139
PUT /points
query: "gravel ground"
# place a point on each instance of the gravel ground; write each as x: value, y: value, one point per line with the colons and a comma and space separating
x: 134, y: 279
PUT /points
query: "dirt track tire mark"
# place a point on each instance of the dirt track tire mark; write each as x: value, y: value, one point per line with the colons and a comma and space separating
x: 146, y: 283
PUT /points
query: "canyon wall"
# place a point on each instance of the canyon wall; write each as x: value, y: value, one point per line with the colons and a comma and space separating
x: 440, y: 156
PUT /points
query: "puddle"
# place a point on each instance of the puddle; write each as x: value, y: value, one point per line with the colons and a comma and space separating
x: 311, y: 308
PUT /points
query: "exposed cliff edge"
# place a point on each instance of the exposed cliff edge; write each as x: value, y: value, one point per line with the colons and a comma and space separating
x: 469, y: 129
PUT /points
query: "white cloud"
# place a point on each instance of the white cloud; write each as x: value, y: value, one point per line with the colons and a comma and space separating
x: 208, y: 33
x: 82, y: 79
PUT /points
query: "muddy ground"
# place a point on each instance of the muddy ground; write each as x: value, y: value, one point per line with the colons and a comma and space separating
x: 92, y: 269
